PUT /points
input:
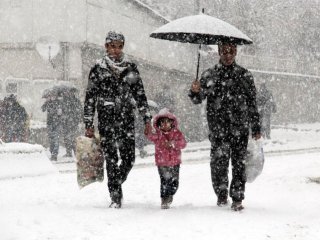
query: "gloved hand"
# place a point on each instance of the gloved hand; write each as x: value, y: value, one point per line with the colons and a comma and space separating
x: 195, y: 86
x: 89, y: 132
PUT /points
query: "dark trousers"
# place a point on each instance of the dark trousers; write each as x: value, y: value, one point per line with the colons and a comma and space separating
x: 70, y: 139
x: 265, y: 121
x: 118, y: 173
x: 53, y: 137
x: 169, y: 180
x: 222, y: 149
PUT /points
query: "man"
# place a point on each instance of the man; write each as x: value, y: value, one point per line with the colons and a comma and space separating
x: 114, y: 87
x: 15, y: 120
x: 231, y: 112
x: 53, y: 106
x: 71, y: 117
x: 165, y: 98
x: 266, y: 107
x: 2, y: 119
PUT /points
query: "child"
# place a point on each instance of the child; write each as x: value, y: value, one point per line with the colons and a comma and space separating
x: 168, y: 142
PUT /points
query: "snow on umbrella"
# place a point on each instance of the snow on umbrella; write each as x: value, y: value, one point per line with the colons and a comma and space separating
x: 66, y: 88
x: 58, y: 90
x: 201, y: 29
x: 50, y: 92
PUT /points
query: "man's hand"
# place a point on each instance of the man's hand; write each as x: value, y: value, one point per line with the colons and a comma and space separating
x: 256, y: 136
x: 195, y: 87
x: 89, y: 132
x: 147, y: 128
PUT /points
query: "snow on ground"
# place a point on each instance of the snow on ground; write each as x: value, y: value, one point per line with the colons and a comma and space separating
x: 23, y: 159
x: 281, y: 204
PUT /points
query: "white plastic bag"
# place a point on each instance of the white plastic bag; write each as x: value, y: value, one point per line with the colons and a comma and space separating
x: 254, y: 159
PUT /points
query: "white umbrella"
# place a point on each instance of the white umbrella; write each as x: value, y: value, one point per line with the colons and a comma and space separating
x: 201, y: 29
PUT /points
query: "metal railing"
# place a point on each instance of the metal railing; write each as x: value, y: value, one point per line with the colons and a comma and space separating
x: 279, y: 65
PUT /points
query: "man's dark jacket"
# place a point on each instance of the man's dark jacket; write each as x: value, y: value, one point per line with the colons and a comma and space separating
x: 54, y: 111
x: 231, y: 100
x: 71, y: 112
x: 114, y: 95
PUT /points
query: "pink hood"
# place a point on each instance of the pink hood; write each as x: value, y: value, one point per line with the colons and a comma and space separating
x: 165, y: 156
x: 165, y: 113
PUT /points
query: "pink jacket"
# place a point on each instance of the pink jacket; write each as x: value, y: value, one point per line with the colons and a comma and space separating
x: 167, y: 156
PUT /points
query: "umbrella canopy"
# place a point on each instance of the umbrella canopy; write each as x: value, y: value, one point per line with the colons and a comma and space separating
x: 50, y: 92
x: 201, y: 29
x: 58, y: 90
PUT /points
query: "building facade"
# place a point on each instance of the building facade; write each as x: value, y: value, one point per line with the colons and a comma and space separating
x: 46, y: 42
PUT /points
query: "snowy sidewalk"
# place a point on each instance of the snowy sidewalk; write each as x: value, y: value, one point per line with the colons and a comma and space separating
x: 289, y: 139
x: 280, y: 205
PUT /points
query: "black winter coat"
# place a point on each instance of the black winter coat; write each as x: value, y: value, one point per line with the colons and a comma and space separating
x: 71, y: 112
x: 115, y: 95
x: 15, y: 119
x: 54, y: 111
x: 265, y: 101
x: 231, y: 100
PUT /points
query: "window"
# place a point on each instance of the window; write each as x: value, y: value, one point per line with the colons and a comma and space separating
x: 12, y: 88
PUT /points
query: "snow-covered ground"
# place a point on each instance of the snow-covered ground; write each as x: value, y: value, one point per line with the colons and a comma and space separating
x: 285, y: 139
x: 281, y: 204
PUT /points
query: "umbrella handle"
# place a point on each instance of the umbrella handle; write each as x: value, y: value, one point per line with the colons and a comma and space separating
x: 198, y: 64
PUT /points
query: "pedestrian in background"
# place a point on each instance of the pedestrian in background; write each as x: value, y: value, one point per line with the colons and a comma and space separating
x: 165, y: 98
x: 266, y: 107
x: 53, y: 107
x: 15, y: 120
x: 2, y: 119
x: 71, y: 118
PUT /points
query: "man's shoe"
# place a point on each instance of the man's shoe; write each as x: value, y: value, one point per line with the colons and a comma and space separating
x: 68, y: 155
x: 222, y: 201
x: 54, y: 158
x: 170, y: 199
x: 165, y: 203
x: 115, y: 205
x: 237, y: 206
x: 116, y: 202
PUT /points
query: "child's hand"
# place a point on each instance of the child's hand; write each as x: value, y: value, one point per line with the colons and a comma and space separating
x: 89, y: 132
x: 164, y: 145
x: 169, y: 144
x: 147, y: 128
